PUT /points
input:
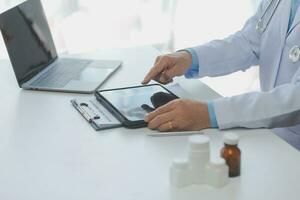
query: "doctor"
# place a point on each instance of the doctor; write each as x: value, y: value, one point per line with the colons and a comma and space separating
x: 270, y: 39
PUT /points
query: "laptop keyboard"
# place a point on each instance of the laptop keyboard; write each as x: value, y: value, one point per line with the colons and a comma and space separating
x: 61, y: 73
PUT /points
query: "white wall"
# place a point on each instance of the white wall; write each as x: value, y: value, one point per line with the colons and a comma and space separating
x: 85, y: 25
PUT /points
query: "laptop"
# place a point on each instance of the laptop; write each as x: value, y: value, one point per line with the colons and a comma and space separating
x: 34, y: 58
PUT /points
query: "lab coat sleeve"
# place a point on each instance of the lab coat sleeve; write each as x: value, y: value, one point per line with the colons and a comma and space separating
x: 278, y: 108
x: 237, y: 52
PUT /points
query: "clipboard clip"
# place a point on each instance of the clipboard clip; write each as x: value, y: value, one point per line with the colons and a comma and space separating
x: 87, y: 112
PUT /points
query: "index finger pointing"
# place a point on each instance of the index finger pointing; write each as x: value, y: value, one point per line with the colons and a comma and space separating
x: 154, y: 72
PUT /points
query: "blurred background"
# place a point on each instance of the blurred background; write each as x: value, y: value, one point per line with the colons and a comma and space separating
x: 80, y: 26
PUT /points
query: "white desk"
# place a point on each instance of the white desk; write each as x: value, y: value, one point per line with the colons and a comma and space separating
x: 47, y: 150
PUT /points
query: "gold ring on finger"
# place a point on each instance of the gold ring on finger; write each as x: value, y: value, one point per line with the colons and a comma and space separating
x: 170, y: 125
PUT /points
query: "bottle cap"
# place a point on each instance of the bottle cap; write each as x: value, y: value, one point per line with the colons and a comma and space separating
x: 199, y: 142
x: 231, y: 139
x: 180, y: 163
x: 217, y: 163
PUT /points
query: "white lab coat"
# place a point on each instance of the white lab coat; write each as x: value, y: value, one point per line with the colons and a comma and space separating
x: 278, y: 105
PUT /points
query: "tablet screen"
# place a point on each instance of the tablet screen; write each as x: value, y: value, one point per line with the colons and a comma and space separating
x: 134, y: 103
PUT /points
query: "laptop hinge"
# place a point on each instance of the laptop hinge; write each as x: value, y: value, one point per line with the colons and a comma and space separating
x: 36, y: 71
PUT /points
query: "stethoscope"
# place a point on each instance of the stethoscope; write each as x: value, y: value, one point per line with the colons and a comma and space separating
x: 294, y: 53
x: 260, y: 27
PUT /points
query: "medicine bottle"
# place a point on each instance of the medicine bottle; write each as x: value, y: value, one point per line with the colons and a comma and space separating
x: 198, y: 156
x: 217, y: 173
x: 179, y: 173
x: 232, y: 154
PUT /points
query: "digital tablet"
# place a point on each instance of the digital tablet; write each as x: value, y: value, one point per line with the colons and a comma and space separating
x: 130, y: 105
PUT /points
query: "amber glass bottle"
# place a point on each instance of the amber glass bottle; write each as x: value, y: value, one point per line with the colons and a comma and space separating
x: 232, y: 154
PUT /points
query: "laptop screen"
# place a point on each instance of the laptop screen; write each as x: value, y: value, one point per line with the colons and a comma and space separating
x: 28, y: 39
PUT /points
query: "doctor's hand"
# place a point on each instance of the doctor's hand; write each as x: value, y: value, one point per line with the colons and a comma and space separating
x: 168, y: 66
x: 179, y: 115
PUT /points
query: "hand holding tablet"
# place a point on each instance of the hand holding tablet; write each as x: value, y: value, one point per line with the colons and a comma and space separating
x: 131, y: 105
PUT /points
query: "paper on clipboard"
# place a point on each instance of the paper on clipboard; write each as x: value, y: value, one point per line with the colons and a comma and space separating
x: 176, y: 133
x: 178, y: 90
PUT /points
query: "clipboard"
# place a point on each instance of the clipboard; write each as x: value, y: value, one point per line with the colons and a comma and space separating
x: 95, y: 114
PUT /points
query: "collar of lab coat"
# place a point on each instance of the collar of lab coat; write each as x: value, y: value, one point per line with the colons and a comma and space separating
x: 296, y: 19
x: 285, y: 18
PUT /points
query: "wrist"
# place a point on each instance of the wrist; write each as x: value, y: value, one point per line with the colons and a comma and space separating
x: 203, y: 116
x: 187, y: 58
x: 207, y: 120
x: 193, y: 69
x: 212, y: 115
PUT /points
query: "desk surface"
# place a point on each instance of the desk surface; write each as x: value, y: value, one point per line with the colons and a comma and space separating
x: 47, y: 151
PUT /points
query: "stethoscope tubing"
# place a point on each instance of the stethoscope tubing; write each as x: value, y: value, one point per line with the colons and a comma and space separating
x: 260, y: 28
x: 294, y: 54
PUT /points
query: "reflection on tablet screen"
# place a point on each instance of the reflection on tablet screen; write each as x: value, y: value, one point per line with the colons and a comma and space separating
x: 135, y: 103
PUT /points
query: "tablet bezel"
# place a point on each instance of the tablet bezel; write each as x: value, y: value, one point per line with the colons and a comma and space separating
x: 123, y: 119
